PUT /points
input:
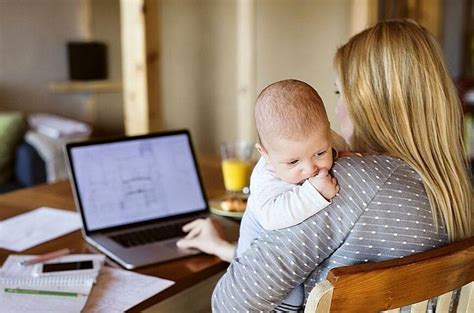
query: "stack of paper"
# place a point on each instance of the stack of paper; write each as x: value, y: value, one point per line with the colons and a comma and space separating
x: 116, y: 290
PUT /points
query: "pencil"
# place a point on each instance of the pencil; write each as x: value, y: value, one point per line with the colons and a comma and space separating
x: 46, y: 257
x: 43, y: 292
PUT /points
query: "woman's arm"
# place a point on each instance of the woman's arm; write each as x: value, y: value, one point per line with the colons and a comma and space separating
x: 279, y: 261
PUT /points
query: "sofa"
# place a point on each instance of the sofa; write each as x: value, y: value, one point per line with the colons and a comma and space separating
x: 32, y: 148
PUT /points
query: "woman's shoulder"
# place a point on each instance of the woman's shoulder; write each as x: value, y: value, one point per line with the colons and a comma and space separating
x: 372, y: 163
x: 372, y: 169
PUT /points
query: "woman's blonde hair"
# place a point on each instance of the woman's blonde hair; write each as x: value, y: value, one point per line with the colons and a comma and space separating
x: 403, y: 102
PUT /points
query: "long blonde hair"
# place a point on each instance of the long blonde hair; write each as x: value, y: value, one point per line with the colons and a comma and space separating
x: 403, y: 102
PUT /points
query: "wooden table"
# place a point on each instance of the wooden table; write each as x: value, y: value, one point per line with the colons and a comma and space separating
x: 185, y: 272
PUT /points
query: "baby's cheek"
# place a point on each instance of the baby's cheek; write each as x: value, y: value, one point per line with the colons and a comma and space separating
x: 288, y: 177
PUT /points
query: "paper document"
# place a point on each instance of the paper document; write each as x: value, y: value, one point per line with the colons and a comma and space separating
x: 118, y: 290
x: 30, y: 229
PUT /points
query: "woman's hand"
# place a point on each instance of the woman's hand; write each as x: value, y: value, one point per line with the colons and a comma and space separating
x: 207, y: 235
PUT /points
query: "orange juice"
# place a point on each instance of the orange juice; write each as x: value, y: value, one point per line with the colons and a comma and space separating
x: 236, y: 174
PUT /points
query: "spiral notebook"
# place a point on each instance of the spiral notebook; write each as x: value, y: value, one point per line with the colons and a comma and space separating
x: 21, y: 291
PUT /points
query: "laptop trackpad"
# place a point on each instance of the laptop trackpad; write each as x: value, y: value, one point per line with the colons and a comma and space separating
x: 173, y: 246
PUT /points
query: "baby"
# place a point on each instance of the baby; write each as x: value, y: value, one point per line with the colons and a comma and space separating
x: 291, y: 181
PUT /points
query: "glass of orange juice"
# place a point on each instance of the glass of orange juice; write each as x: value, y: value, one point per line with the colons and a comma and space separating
x: 236, y: 166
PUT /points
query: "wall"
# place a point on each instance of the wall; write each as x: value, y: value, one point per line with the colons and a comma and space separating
x: 452, y: 39
x: 106, y: 28
x: 298, y: 39
x: 295, y: 39
x: 33, y: 36
x: 198, y: 69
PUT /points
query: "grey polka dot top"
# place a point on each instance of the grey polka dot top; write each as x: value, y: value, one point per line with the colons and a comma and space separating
x: 382, y: 212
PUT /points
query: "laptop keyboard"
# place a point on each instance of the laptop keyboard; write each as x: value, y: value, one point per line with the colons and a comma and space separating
x: 149, y: 235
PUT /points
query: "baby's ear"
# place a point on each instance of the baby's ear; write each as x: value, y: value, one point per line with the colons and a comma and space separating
x: 262, y: 151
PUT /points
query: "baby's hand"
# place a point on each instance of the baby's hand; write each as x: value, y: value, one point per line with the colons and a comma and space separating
x: 325, y: 184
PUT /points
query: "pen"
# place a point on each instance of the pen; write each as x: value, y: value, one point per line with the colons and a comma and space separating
x: 46, y: 257
x: 43, y: 292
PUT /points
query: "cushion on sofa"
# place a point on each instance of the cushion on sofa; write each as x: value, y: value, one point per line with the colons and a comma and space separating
x: 12, y: 129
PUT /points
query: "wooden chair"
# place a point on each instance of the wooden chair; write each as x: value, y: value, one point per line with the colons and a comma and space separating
x: 389, y: 285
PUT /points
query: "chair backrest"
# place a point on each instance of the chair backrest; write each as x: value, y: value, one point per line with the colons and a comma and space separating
x: 389, y: 285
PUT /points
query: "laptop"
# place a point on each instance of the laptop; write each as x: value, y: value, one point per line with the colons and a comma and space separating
x: 135, y: 193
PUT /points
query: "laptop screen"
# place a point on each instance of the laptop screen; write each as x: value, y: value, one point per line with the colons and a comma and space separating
x: 145, y: 178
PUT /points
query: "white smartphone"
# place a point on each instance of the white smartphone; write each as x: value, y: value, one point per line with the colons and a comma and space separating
x: 66, y: 268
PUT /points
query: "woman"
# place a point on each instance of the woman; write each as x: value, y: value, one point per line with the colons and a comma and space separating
x: 414, y: 98
x: 411, y: 192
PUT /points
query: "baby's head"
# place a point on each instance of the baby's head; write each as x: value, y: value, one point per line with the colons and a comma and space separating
x: 294, y: 130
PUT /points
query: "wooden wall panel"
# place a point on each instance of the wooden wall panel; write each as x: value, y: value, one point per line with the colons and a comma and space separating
x: 139, y: 24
